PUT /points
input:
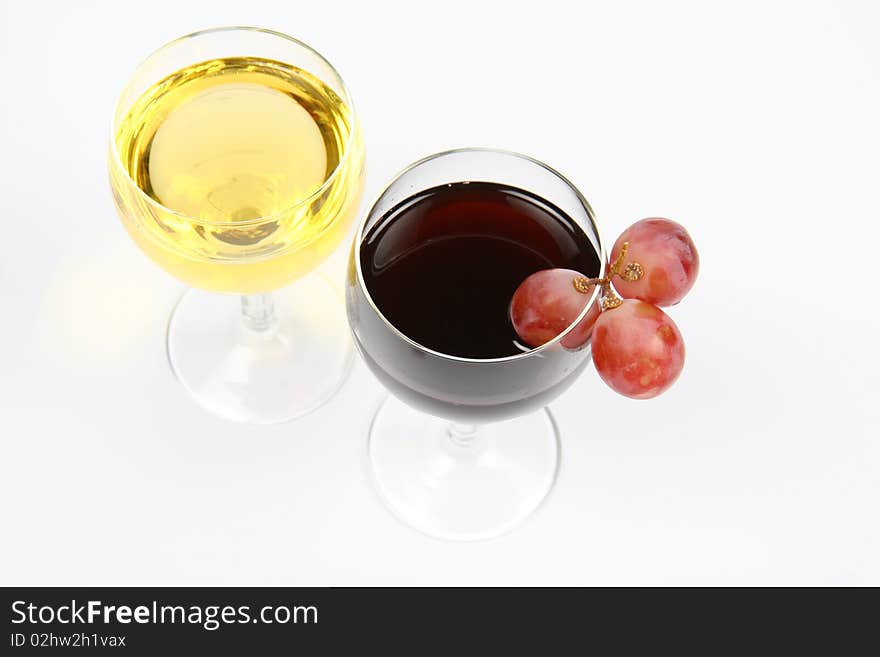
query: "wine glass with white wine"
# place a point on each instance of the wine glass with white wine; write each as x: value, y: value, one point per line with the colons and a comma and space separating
x: 237, y: 165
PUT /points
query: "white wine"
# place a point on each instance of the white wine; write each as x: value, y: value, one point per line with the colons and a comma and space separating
x: 247, y: 172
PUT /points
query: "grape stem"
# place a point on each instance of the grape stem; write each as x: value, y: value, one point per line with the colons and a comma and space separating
x: 610, y: 299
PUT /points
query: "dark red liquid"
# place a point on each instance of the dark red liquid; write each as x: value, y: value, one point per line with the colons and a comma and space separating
x: 443, y: 265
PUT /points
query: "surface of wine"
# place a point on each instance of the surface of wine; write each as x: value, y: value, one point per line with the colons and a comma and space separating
x: 232, y: 156
x: 443, y: 265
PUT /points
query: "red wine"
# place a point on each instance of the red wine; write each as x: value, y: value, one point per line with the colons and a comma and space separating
x: 443, y: 265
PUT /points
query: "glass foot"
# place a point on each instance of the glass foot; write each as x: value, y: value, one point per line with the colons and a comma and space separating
x: 462, y: 483
x: 264, y: 358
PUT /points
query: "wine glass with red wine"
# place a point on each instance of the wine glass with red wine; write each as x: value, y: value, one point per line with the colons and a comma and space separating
x: 465, y: 447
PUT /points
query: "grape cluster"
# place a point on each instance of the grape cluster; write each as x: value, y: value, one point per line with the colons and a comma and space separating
x: 637, y: 349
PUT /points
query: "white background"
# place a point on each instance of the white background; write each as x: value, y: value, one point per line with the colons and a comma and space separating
x: 754, y: 124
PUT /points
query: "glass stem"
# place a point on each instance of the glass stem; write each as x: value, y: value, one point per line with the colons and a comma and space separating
x: 258, y: 312
x: 462, y: 435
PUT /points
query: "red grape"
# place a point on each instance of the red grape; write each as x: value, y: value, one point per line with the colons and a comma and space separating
x: 546, y: 303
x: 637, y: 349
x: 668, y: 256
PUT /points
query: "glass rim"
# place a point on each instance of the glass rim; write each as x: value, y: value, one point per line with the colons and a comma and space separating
x: 359, y: 235
x: 328, y: 181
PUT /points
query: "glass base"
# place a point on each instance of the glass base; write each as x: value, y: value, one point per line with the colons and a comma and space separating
x: 286, y: 364
x: 462, y: 483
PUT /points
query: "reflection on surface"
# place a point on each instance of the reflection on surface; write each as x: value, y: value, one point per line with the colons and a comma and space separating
x: 100, y: 307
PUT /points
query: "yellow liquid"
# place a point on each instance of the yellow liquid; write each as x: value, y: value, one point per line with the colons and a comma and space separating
x: 245, y: 173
